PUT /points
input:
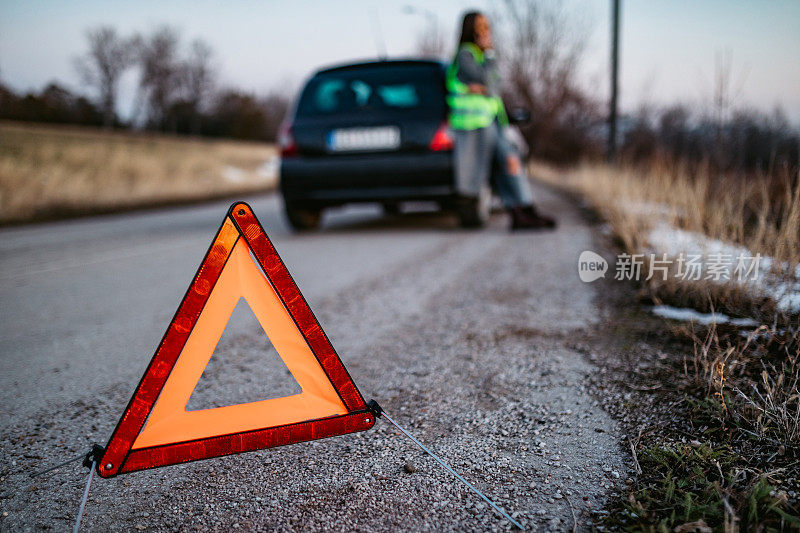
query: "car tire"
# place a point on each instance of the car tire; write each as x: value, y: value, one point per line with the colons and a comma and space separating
x: 475, y: 212
x: 391, y: 208
x: 302, y: 218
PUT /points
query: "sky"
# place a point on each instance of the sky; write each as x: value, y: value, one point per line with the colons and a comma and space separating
x: 668, y: 47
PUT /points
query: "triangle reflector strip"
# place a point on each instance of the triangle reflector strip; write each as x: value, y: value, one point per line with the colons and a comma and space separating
x: 157, y: 430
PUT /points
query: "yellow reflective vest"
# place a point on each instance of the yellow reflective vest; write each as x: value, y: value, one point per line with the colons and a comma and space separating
x: 469, y: 111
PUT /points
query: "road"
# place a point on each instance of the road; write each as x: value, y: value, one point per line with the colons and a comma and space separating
x: 465, y: 337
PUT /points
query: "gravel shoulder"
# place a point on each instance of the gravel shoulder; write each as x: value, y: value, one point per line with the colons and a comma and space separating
x: 472, y: 344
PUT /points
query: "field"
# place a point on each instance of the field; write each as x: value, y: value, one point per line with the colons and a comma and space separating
x: 48, y: 172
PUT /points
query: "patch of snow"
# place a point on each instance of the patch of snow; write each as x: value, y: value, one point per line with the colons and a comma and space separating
x: 788, y: 296
x: 664, y: 238
x: 234, y: 174
x: 686, y: 314
x: 743, y: 322
x: 269, y: 168
x: 762, y: 333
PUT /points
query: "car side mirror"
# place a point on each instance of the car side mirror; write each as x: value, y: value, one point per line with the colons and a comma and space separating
x: 519, y: 115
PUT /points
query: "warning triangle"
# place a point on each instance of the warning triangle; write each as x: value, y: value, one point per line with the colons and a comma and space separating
x: 156, y: 429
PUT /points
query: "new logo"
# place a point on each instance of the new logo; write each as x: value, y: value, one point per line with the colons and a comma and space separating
x: 591, y: 266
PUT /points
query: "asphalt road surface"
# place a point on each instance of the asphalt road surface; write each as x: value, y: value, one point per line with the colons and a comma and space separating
x: 463, y: 336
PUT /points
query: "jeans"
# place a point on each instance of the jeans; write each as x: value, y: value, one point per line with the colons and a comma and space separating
x: 480, y: 157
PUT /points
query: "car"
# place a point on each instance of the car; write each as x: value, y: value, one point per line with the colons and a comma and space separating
x: 371, y: 132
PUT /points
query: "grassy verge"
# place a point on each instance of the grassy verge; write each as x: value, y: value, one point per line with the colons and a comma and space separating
x: 761, y: 213
x: 757, y: 214
x: 700, y: 448
x: 712, y: 411
x: 48, y: 172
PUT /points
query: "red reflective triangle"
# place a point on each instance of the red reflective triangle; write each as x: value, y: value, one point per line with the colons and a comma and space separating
x: 157, y: 430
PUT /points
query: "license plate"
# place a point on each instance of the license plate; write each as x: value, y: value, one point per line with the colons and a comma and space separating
x: 353, y: 139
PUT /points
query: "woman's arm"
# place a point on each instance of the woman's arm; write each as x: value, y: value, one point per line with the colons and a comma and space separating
x: 470, y: 73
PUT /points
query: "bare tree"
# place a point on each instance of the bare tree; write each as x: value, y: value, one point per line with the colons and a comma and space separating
x: 724, y: 103
x: 275, y: 105
x: 541, y: 49
x: 108, y: 57
x: 198, y: 80
x: 161, y: 74
x: 430, y: 41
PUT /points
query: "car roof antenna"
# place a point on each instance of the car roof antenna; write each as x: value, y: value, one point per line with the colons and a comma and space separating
x: 380, y: 42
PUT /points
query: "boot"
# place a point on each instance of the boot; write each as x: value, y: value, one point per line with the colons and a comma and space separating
x: 528, y: 217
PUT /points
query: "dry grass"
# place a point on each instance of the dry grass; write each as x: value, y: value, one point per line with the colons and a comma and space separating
x: 755, y: 381
x: 48, y: 171
x: 740, y: 470
x: 733, y: 457
x: 761, y: 372
x: 761, y: 213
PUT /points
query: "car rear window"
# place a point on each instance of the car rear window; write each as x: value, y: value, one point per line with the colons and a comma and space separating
x: 401, y: 88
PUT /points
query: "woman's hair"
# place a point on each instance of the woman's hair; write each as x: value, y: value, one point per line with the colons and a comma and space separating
x: 468, y: 27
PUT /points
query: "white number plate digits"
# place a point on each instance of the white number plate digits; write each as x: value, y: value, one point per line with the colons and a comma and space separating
x: 352, y: 139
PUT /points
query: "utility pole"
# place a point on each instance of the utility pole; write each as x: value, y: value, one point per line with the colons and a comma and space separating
x: 612, y: 108
x: 380, y: 41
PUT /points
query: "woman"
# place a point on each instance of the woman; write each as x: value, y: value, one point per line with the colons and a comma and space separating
x: 479, y: 121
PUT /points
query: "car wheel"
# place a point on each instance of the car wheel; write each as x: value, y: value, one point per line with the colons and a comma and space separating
x: 391, y: 208
x: 302, y: 218
x: 475, y: 212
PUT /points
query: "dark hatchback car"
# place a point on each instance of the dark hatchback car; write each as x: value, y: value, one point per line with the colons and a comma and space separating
x: 370, y: 132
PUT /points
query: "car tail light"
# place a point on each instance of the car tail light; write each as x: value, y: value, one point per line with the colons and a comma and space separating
x: 286, y: 141
x: 442, y: 139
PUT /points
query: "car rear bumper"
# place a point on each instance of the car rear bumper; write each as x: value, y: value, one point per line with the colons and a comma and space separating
x: 367, y: 177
